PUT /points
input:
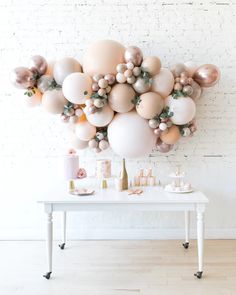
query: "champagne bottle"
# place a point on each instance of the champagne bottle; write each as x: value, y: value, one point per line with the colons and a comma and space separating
x: 124, y: 176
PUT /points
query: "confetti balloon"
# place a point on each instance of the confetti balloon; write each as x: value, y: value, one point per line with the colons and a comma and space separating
x: 53, y: 101
x: 77, y: 87
x: 163, y: 82
x: 150, y: 105
x: 130, y: 136
x: 207, y: 75
x: 183, y: 108
x: 102, y: 57
x: 121, y: 98
x: 64, y: 67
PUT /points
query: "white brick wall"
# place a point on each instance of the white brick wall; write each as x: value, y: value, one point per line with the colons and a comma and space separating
x: 203, y: 31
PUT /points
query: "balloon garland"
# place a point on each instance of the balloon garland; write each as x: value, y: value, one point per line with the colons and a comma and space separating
x: 118, y: 98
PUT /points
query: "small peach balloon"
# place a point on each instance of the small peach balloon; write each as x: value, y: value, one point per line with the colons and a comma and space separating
x: 163, y: 82
x: 152, y: 65
x: 121, y: 97
x: 35, y: 99
x: 150, y: 105
x: 102, y: 57
x: 171, y: 136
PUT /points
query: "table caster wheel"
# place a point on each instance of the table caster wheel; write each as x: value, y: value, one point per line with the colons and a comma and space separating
x: 198, y: 274
x: 62, y: 246
x: 47, y: 275
x: 186, y: 245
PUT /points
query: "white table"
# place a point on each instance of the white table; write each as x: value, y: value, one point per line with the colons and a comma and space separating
x: 153, y: 199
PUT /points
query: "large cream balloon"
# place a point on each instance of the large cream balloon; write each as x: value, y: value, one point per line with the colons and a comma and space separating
x: 102, y: 117
x: 121, y: 98
x: 163, y: 82
x: 53, y: 101
x: 130, y: 136
x: 64, y: 67
x: 102, y: 57
x: 85, y: 131
x: 150, y: 105
x: 183, y: 108
x: 77, y: 87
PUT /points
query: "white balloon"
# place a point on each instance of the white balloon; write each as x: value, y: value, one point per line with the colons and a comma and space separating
x: 191, y: 67
x: 102, y: 117
x: 130, y: 136
x: 78, y: 143
x: 64, y: 67
x: 85, y: 131
x: 163, y: 82
x: 184, y: 109
x: 77, y: 87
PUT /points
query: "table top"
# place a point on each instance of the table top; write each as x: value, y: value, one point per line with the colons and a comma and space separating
x: 107, y: 196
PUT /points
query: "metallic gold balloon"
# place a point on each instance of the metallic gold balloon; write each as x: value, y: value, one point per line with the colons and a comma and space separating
x: 22, y: 77
x: 207, y: 75
x: 133, y: 54
x: 38, y: 64
x: 141, y: 85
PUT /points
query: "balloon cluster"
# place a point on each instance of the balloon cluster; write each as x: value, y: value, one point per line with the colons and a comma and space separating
x: 118, y: 98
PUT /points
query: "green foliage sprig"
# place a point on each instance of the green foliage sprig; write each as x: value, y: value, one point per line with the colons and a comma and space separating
x: 136, y: 101
x: 176, y: 94
x: 30, y: 92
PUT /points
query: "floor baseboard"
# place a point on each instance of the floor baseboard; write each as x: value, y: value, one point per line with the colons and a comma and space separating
x: 118, y: 234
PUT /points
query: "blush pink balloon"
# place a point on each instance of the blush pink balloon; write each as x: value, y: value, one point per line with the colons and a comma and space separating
x: 163, y: 147
x: 133, y: 54
x: 207, y: 75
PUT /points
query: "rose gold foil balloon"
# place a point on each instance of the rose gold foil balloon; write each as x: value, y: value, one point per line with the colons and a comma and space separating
x: 134, y: 55
x: 164, y: 147
x: 150, y: 105
x: 171, y: 135
x: 22, y: 77
x: 207, y: 75
x: 152, y: 65
x: 102, y: 57
x: 38, y: 64
x: 121, y: 97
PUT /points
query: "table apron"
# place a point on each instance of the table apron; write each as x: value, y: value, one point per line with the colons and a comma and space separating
x: 52, y: 207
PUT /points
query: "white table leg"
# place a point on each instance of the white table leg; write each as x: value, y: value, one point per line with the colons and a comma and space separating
x: 200, y: 240
x: 62, y: 246
x: 187, y: 226
x: 49, y: 244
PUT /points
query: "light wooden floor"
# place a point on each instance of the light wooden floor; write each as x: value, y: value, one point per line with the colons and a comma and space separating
x: 118, y: 267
